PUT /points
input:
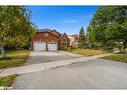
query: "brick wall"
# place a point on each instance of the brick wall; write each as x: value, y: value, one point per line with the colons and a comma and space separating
x: 62, y: 41
x: 46, y: 37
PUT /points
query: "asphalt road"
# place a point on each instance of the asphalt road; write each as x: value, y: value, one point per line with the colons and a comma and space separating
x: 94, y: 74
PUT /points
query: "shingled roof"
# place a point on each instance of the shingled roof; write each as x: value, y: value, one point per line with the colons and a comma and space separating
x: 43, y: 30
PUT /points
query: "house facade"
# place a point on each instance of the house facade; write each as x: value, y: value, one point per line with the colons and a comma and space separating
x: 73, y: 40
x: 49, y: 40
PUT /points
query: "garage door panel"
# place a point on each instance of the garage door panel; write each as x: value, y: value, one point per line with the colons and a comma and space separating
x: 39, y: 46
x: 52, y: 46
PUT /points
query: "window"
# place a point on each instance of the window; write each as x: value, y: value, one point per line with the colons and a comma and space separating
x: 64, y: 42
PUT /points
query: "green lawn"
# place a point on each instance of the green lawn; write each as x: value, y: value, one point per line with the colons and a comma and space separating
x: 117, y: 57
x: 88, y: 52
x: 7, y: 81
x: 18, y: 59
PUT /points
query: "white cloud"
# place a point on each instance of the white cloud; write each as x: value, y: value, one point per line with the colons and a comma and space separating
x: 69, y: 21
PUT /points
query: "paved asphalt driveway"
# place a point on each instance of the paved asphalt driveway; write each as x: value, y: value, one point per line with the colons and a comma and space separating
x: 94, y: 74
x: 41, y: 57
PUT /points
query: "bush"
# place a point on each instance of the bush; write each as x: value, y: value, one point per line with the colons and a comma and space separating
x: 67, y: 49
x: 119, y: 46
x: 74, y: 47
x: 120, y: 52
x: 108, y: 48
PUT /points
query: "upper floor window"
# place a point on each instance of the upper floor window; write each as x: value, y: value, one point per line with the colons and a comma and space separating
x: 64, y: 40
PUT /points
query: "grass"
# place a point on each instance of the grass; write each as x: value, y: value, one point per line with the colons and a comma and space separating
x: 88, y: 52
x: 7, y: 80
x: 117, y: 57
x: 18, y: 58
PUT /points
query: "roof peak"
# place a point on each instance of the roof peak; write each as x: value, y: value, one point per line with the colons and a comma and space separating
x: 45, y: 29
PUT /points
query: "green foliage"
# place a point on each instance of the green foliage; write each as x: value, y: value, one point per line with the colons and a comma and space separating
x: 117, y: 57
x: 7, y: 80
x: 16, y: 28
x: 109, y: 24
x: 18, y: 58
x: 108, y: 48
x: 119, y: 46
x: 82, y: 38
x: 67, y: 49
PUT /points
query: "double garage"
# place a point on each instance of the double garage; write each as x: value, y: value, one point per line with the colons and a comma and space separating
x: 44, y: 46
x: 49, y: 40
x: 45, y: 41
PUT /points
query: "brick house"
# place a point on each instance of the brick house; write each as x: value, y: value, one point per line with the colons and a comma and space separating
x: 49, y: 40
x: 73, y: 40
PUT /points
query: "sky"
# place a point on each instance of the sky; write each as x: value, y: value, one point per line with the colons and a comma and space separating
x: 67, y: 19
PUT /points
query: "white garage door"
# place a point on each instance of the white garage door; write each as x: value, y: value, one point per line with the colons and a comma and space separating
x: 52, y: 46
x: 39, y: 46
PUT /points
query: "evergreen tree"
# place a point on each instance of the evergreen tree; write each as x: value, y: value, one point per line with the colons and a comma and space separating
x: 81, y: 38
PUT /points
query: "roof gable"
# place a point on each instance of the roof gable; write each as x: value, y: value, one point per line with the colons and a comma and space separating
x: 56, y: 33
x: 63, y: 35
x: 47, y: 32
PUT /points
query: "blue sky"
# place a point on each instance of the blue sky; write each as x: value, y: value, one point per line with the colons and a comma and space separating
x: 67, y: 19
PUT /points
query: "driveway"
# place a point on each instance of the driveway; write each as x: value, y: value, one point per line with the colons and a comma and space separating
x: 41, y: 57
x: 93, y: 74
x: 36, y: 62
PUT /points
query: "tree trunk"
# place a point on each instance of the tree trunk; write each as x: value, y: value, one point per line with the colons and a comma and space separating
x: 124, y: 45
x: 91, y: 46
x: 3, y: 51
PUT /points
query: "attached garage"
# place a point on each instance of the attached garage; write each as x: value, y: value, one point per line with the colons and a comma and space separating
x: 49, y: 40
x: 52, y: 46
x: 39, y: 46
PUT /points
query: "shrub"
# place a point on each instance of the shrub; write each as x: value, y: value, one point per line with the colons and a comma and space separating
x: 67, y: 49
x: 119, y: 46
x: 74, y: 47
x: 108, y: 48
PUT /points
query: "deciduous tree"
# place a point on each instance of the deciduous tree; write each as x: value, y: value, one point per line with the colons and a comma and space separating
x: 109, y: 24
x: 15, y: 26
